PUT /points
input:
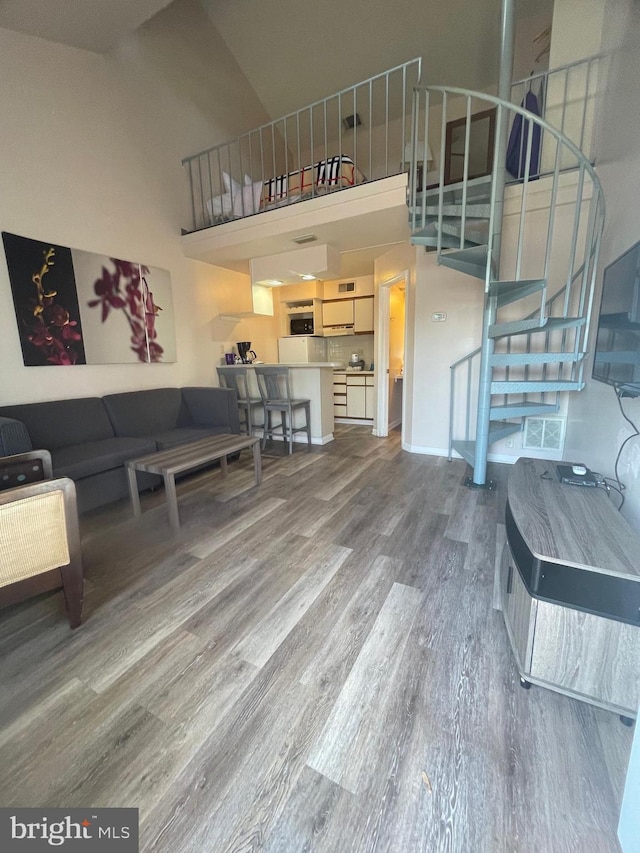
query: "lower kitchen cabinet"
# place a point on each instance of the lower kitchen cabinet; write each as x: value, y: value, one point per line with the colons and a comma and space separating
x: 340, y: 395
x: 356, y: 401
x: 354, y: 395
x: 370, y: 398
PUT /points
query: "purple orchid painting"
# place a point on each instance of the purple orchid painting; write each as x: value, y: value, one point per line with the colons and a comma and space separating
x: 125, y: 289
x: 76, y: 307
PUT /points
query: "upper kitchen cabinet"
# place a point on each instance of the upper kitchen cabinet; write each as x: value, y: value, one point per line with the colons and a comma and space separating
x: 363, y: 315
x: 337, y: 312
x: 348, y: 316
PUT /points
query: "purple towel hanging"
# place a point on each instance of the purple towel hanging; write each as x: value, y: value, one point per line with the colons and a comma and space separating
x: 519, y: 141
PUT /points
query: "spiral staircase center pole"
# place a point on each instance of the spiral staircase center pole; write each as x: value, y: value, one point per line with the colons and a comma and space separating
x: 479, y: 479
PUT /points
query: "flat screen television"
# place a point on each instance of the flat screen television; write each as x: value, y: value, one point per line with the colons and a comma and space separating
x: 617, y: 352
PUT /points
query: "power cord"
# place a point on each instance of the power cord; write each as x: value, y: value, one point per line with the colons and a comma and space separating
x: 621, y: 487
x: 606, y: 484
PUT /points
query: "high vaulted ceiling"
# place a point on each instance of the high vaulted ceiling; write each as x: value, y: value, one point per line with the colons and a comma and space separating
x: 294, y: 52
x: 95, y: 25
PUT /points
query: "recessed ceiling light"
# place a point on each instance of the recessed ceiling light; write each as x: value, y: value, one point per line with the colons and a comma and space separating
x: 307, y: 277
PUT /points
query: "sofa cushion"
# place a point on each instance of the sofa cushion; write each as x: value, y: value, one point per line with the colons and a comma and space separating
x: 142, y: 413
x: 60, y: 423
x: 213, y: 407
x: 174, y: 437
x: 94, y: 457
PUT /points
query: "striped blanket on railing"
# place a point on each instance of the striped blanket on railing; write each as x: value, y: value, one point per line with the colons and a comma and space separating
x: 338, y: 171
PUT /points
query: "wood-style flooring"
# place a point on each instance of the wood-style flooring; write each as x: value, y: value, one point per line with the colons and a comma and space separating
x: 310, y: 665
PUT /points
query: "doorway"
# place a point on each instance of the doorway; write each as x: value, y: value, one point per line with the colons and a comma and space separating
x: 391, y: 354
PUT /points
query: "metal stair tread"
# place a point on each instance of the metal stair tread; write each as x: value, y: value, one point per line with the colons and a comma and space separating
x: 466, y: 449
x: 523, y: 327
x: 511, y: 291
x: 530, y: 386
x: 497, y: 431
x: 504, y: 359
x: 523, y: 410
x: 447, y: 241
x: 472, y: 261
x: 452, y: 211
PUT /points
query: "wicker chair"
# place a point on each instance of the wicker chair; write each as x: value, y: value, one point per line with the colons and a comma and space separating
x: 39, y: 535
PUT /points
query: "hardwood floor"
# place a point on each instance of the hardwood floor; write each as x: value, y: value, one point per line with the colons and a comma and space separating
x: 310, y: 665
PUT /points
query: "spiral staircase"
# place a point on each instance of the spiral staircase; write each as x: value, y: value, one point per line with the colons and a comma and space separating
x: 533, y: 242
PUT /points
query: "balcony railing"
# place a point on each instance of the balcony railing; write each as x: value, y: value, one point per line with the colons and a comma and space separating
x: 566, y: 97
x: 356, y: 135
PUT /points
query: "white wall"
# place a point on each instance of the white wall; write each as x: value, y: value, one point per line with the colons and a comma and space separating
x: 91, y: 150
x: 596, y: 428
x: 437, y: 345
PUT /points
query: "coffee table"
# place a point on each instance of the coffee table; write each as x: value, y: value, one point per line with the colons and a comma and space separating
x: 185, y: 457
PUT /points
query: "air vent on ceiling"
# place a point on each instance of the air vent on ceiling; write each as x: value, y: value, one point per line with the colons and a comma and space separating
x: 544, y: 433
x: 347, y: 287
x: 304, y: 238
x: 349, y: 122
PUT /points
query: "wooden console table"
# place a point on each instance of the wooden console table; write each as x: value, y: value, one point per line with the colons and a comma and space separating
x: 570, y: 589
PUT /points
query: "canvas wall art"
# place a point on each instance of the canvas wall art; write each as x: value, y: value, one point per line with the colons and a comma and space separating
x: 76, y: 307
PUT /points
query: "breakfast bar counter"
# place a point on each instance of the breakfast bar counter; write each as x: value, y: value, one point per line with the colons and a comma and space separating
x: 313, y: 381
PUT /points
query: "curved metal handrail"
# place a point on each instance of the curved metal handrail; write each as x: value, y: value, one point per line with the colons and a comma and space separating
x: 564, y: 146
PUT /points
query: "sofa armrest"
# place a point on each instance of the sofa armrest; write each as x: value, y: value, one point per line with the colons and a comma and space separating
x: 14, y: 437
x: 213, y: 407
x: 22, y: 468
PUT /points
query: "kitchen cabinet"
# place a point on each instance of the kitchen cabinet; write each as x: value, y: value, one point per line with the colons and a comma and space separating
x: 370, y: 397
x: 340, y: 395
x: 363, y: 315
x: 337, y: 312
x: 356, y: 400
x: 354, y: 395
x: 301, y: 309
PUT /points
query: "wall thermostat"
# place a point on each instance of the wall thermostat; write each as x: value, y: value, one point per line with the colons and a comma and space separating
x: 438, y: 316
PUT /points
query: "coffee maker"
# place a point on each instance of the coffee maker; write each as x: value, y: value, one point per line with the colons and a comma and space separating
x: 245, y: 352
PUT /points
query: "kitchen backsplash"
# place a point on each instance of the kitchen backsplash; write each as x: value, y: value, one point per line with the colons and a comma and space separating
x: 341, y: 347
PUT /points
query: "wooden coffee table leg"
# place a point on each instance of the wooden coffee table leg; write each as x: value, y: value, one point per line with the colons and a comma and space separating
x: 223, y: 465
x: 133, y: 490
x: 257, y: 463
x: 172, y: 500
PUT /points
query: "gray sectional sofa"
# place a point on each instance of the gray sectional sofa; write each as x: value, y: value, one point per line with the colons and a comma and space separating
x: 90, y: 438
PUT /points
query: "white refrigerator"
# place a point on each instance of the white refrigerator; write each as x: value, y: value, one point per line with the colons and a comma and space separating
x: 301, y: 349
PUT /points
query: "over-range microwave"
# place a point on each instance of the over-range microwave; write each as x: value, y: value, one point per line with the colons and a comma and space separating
x: 301, y: 326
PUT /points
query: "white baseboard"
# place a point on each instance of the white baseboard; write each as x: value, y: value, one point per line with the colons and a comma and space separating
x: 427, y: 451
x: 300, y: 438
x: 354, y: 421
x: 442, y: 451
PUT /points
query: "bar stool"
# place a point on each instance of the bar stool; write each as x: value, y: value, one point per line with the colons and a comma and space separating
x: 236, y: 379
x: 275, y: 391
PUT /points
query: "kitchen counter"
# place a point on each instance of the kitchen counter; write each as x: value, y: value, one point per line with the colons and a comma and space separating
x: 312, y: 381
x: 354, y: 372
